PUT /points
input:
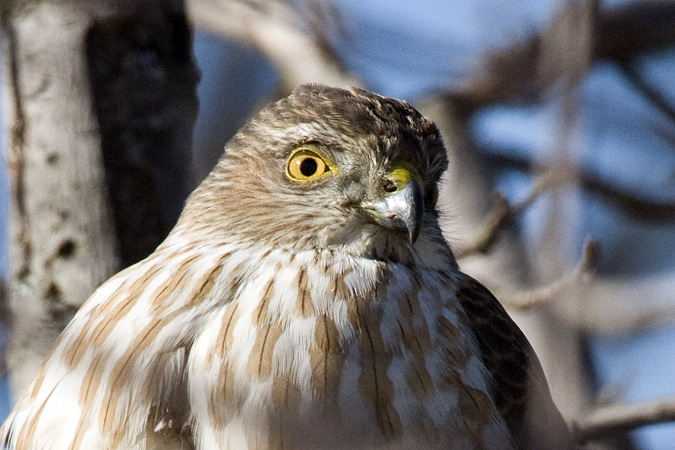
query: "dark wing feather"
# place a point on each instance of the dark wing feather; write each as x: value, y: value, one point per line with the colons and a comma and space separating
x: 520, y: 390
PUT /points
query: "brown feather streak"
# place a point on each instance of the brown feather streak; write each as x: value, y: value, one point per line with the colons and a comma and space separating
x: 122, y: 370
x: 171, y: 286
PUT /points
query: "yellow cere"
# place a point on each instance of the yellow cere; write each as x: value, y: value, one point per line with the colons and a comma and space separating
x: 401, y: 173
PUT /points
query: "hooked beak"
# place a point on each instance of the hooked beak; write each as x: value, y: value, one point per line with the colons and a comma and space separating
x: 403, y: 208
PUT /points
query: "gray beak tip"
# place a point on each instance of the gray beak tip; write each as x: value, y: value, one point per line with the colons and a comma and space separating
x: 402, y: 210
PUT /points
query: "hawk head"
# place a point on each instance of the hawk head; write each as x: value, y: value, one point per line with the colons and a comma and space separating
x: 328, y: 168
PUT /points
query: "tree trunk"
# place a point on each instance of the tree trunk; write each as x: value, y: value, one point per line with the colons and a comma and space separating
x: 86, y: 100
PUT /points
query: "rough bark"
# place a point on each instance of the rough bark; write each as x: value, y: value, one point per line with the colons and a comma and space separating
x: 73, y: 71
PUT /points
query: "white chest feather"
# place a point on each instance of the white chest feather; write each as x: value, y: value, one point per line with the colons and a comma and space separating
x: 352, y: 354
x: 260, y: 351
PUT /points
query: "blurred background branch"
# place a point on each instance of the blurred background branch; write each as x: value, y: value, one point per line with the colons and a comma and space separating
x: 524, y: 70
x: 616, y: 419
x: 300, y: 54
x: 628, y: 201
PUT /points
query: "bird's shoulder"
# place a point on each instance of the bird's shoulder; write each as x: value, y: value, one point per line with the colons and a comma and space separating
x: 521, y: 392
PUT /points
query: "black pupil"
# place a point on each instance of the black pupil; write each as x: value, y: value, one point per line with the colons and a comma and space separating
x: 308, y: 167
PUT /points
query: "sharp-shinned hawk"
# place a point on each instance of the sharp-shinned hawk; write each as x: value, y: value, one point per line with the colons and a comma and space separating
x: 306, y: 299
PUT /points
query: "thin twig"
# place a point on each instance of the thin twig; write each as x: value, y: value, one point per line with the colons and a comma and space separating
x: 626, y: 305
x: 611, y: 420
x: 502, y: 215
x: 582, y: 273
x: 637, y: 207
x: 652, y: 94
x: 514, y: 74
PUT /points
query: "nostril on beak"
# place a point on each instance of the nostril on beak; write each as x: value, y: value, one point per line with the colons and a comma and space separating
x: 389, y: 186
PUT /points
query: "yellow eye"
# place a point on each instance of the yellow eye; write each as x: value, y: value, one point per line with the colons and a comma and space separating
x: 305, y: 164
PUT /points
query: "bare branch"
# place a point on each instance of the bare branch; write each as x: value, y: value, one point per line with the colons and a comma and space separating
x: 503, y: 214
x: 655, y: 97
x: 582, y: 273
x: 612, y: 420
x: 498, y: 219
x: 514, y: 73
x: 635, y: 206
x: 272, y: 28
x: 626, y: 305
x: 632, y: 29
